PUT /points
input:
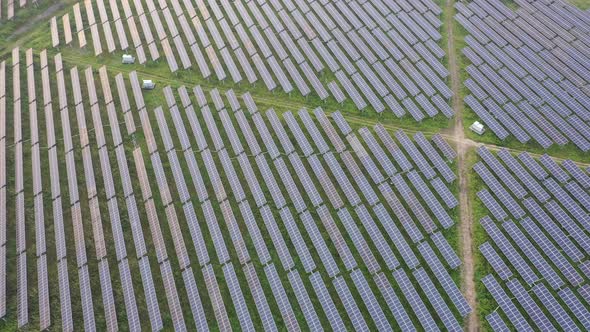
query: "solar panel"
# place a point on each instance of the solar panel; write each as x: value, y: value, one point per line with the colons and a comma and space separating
x: 297, y: 240
x: 292, y: 189
x: 297, y: 78
x: 579, y: 194
x: 415, y: 205
x: 498, y: 190
x: 336, y: 237
x: 358, y: 240
x: 581, y: 178
x: 414, y: 300
x: 298, y: 134
x: 365, y: 159
x: 444, y: 193
x: 393, y: 148
x: 360, y: 179
x: 128, y: 294
x: 505, y: 303
x: 277, y: 238
x: 215, y: 297
x: 443, y: 311
x: 231, y: 176
x: 575, y: 306
x: 446, y: 250
x: 492, y: 205
x: 259, y: 297
x: 574, y: 231
x: 378, y: 152
x: 495, y: 261
x: 218, y: 242
x: 304, y: 301
x: 237, y: 297
x: 349, y: 303
x: 509, y: 251
x: 376, y: 237
x: 533, y: 255
x: 370, y: 300
x: 529, y: 305
x: 554, y: 168
x: 343, y: 182
x: 415, y: 154
x: 439, y: 212
x: 400, y: 212
x: 531, y: 184
x: 281, y: 297
x: 496, y: 322
x: 501, y: 172
x: 552, y: 252
x: 308, y: 184
x: 254, y: 232
x: 444, y: 279
x: 234, y: 231
x: 555, y: 232
x: 554, y: 308
x: 533, y: 166
x: 326, y: 301
x: 172, y: 296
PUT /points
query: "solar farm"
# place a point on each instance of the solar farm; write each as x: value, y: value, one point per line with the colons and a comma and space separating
x: 299, y: 165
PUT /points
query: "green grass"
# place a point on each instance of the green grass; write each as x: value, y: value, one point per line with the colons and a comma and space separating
x: 582, y: 4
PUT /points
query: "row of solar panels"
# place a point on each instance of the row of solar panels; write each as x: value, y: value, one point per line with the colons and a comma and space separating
x: 542, y: 247
x: 41, y: 248
x: 527, y: 76
x: 21, y: 257
x: 431, y: 101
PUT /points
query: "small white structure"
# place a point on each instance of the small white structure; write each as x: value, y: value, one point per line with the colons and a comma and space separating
x: 127, y: 59
x: 477, y: 128
x: 148, y: 85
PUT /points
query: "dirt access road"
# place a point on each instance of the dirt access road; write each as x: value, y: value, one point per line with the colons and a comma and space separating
x: 466, y: 216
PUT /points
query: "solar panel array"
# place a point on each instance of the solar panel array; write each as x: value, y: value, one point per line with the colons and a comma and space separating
x: 529, y: 70
x: 537, y: 240
x: 382, y: 54
x: 285, y: 214
x: 252, y: 216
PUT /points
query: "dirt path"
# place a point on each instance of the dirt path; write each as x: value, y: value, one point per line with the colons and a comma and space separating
x: 43, y: 17
x: 466, y: 222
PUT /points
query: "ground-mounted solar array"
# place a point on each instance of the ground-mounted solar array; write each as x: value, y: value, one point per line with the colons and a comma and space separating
x: 383, y: 55
x: 537, y: 241
x: 529, y: 70
x: 210, y: 213
x: 294, y: 165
